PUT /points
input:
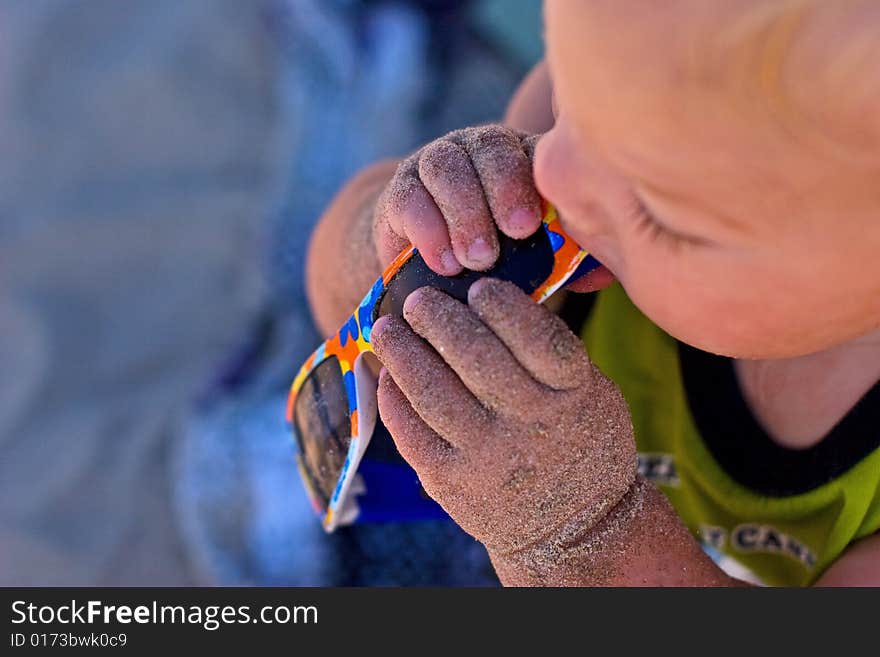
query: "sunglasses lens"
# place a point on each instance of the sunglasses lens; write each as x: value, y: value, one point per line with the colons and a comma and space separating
x: 526, y: 263
x: 323, y: 426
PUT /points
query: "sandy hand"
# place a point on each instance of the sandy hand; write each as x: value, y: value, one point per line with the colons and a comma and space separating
x: 507, y: 422
x: 451, y: 197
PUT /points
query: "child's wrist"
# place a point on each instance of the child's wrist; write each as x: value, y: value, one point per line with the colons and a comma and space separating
x: 574, y: 554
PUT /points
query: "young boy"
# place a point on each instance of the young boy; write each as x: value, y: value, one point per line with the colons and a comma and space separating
x: 722, y: 161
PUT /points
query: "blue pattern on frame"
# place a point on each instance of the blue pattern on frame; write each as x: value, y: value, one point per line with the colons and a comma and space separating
x: 349, y: 331
x: 365, y: 310
x: 350, y: 390
x: 556, y: 240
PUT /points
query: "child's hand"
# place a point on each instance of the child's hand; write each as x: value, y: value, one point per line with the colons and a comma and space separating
x: 500, y: 411
x: 448, y: 198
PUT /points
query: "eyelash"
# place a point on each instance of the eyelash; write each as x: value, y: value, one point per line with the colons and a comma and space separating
x: 657, y: 232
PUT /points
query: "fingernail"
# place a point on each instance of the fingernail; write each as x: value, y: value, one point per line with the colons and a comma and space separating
x: 523, y: 221
x: 479, y: 287
x: 480, y: 253
x: 378, y: 327
x: 411, y: 301
x: 449, y: 261
x: 475, y: 288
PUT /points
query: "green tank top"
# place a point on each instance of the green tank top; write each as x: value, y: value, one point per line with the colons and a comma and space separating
x: 766, y: 514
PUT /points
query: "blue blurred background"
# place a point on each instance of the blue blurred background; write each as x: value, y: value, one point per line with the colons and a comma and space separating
x: 161, y: 166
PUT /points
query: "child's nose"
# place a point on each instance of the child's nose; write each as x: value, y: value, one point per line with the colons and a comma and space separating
x: 549, y: 168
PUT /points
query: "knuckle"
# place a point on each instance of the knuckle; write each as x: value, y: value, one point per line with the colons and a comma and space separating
x: 561, y: 344
x: 437, y: 147
x: 408, y: 167
x: 405, y: 173
x: 440, y: 158
x: 496, y: 140
x: 457, y: 136
x: 422, y: 390
x: 567, y: 349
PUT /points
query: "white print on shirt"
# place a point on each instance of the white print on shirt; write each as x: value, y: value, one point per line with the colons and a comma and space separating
x: 756, y: 537
x: 658, y: 468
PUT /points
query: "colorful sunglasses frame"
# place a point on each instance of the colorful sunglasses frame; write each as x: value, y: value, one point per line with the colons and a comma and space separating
x: 353, y: 339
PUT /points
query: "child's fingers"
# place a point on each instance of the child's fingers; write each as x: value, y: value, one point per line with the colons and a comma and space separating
x: 389, y: 237
x: 433, y: 389
x: 423, y: 449
x: 406, y: 214
x: 388, y: 243
x: 425, y: 227
x: 529, y: 144
x: 449, y: 175
x: 479, y: 358
x: 538, y: 339
x: 506, y: 175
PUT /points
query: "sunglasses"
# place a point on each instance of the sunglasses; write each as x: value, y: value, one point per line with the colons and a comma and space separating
x: 332, y: 406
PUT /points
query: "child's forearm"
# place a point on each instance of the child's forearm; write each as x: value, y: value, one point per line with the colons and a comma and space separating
x: 342, y: 263
x: 641, y: 542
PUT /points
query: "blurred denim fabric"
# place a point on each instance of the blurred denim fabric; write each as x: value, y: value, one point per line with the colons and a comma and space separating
x: 163, y: 166
x: 137, y: 151
x: 361, y: 81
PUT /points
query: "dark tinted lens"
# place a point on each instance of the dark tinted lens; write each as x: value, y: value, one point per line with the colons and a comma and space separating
x: 323, y: 426
x: 526, y: 263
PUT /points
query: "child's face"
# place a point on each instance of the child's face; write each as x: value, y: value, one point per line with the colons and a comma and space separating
x: 708, y: 156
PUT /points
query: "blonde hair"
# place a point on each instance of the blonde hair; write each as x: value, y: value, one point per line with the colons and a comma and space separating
x: 752, y: 52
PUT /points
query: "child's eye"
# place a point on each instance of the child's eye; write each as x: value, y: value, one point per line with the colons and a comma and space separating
x: 647, y: 223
